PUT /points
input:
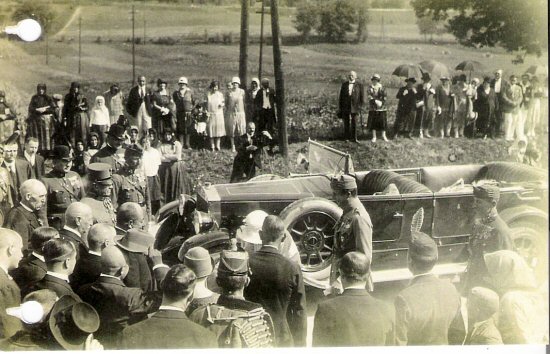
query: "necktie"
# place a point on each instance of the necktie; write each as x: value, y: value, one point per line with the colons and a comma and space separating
x: 140, y: 92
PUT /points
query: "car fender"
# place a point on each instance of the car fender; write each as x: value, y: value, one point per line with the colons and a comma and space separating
x: 513, y: 214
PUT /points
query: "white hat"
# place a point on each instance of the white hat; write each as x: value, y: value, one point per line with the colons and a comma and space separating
x: 29, y: 312
x: 253, y: 222
x: 183, y: 80
x: 236, y: 79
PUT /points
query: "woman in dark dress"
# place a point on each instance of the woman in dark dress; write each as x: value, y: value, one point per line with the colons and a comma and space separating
x: 79, y: 165
x: 377, y: 120
x: 41, y: 122
x: 174, y: 179
x: 485, y: 106
x: 75, y: 111
x: 162, y: 108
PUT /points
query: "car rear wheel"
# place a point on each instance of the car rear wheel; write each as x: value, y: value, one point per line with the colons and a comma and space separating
x: 310, y: 222
x: 530, y: 240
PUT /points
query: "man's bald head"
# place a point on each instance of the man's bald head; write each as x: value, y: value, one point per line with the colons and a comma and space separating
x: 33, y: 194
x: 352, y: 75
x: 79, y: 216
x: 113, y: 262
x: 11, y: 245
x: 100, y: 236
x: 130, y: 215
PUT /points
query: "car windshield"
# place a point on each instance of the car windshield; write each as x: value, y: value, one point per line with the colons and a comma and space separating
x: 324, y: 159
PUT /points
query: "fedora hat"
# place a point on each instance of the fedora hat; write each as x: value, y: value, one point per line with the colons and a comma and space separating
x: 72, y: 321
x: 136, y: 241
x: 411, y: 79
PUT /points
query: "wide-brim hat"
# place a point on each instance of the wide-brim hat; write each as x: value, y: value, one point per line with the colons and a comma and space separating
x: 411, y: 79
x: 72, y: 321
x: 137, y: 241
x: 117, y: 131
x: 183, y: 80
x: 62, y: 152
x: 443, y: 78
x: 375, y: 77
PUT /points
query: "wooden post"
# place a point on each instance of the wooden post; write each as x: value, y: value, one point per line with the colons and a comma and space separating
x: 133, y: 45
x: 261, y: 41
x: 79, y: 43
x: 144, y: 29
x: 47, y: 49
x: 243, y: 54
x: 279, y: 78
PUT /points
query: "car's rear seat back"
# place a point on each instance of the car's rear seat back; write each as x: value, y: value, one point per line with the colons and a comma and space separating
x: 378, y: 180
x: 437, y: 177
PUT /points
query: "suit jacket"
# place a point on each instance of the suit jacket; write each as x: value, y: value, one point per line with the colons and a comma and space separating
x: 117, y: 305
x: 246, y: 161
x: 30, y: 270
x: 167, y: 329
x: 86, y: 271
x: 259, y: 100
x: 407, y: 102
x: 277, y: 284
x: 23, y: 172
x: 135, y: 101
x: 140, y: 274
x: 9, y: 297
x: 6, y: 202
x: 424, y: 311
x: 354, y: 318
x: 59, y: 286
x: 38, y: 170
x: 76, y: 240
x: 23, y: 222
x: 353, y: 103
x: 484, y: 333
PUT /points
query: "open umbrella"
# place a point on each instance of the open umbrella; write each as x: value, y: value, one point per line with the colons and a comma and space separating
x: 408, y: 70
x: 470, y: 65
x: 537, y: 70
x: 435, y: 68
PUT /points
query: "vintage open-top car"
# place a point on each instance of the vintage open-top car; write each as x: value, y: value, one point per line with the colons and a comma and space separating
x: 304, y: 203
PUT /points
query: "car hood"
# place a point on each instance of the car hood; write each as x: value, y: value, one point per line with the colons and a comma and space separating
x: 283, y: 189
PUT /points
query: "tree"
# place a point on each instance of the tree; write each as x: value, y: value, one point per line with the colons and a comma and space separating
x: 306, y: 19
x: 427, y: 26
x: 37, y: 10
x: 336, y: 18
x: 516, y: 25
x: 362, y: 20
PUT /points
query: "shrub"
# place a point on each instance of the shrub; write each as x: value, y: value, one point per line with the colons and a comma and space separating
x: 306, y: 19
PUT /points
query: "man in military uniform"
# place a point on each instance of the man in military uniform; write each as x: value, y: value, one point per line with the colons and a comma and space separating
x: 100, y: 193
x: 110, y: 153
x: 353, y: 232
x: 63, y: 185
x: 490, y: 233
x: 130, y: 183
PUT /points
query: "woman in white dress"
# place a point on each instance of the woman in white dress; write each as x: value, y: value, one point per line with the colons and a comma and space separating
x: 236, y: 115
x: 215, y: 127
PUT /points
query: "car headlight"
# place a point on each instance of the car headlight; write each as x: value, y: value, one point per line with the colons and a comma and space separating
x: 202, y: 222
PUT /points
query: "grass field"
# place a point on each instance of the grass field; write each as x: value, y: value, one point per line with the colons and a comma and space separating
x: 313, y: 72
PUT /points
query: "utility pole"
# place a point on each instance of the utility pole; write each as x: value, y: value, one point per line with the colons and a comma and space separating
x: 383, y: 30
x: 133, y: 44
x: 261, y: 41
x: 243, y: 50
x: 46, y: 39
x: 79, y: 43
x: 279, y: 77
x: 144, y: 28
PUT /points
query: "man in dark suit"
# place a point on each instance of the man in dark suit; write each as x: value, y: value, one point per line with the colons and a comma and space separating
x: 30, y: 155
x: 276, y: 283
x: 78, y: 220
x: 33, y: 268
x: 406, y: 109
x: 170, y: 328
x: 139, y: 105
x: 425, y: 309
x: 500, y: 86
x: 88, y: 266
x: 24, y: 218
x: 135, y: 245
x: 19, y: 170
x: 60, y: 259
x: 249, y: 154
x: 110, y: 153
x: 351, y: 101
x: 117, y: 305
x: 354, y: 318
x: 265, y: 106
x: 10, y: 254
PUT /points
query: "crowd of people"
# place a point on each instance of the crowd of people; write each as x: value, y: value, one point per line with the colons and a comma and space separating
x: 492, y: 108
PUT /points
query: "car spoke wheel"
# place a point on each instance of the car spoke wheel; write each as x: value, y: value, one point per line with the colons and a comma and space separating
x: 310, y: 222
x: 530, y: 242
x: 313, y: 234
